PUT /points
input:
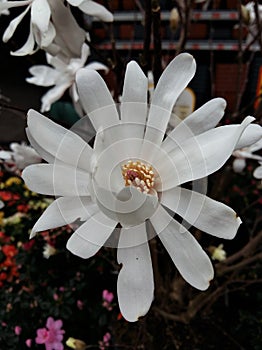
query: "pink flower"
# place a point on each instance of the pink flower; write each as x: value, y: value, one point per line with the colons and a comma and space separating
x: 106, y: 338
x: 52, y: 335
x: 28, y: 343
x: 18, y: 330
x: 56, y: 297
x: 80, y: 304
x: 105, y: 342
x: 108, y: 298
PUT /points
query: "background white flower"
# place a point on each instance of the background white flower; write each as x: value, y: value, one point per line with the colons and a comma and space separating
x: 41, y: 28
x: 132, y: 175
x: 241, y: 155
x: 20, y: 156
x: 62, y: 76
x: 45, y: 18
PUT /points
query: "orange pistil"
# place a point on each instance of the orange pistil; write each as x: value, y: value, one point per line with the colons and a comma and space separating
x: 139, y: 175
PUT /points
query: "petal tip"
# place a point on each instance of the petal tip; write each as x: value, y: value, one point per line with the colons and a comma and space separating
x: 32, y: 233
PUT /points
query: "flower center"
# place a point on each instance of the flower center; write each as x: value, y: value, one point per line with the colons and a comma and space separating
x: 139, y: 175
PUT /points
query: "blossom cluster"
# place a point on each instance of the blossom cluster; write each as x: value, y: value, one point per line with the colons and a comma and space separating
x: 31, y: 282
x: 8, y: 265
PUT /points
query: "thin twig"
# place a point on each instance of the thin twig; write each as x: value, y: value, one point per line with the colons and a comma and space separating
x: 156, y: 21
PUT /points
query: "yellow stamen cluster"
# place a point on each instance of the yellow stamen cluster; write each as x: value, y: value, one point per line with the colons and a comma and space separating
x: 139, y: 175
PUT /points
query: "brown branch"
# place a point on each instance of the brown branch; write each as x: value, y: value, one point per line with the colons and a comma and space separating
x: 245, y: 251
x: 14, y: 108
x: 202, y: 301
x: 156, y: 21
x: 241, y: 264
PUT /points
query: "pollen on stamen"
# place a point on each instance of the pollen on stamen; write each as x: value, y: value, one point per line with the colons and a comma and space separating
x: 139, y: 175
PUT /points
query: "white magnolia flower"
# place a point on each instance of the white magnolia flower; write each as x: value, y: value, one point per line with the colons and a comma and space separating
x: 62, y: 76
x: 132, y: 176
x: 41, y: 28
x: 241, y: 155
x: 43, y: 17
x: 20, y: 156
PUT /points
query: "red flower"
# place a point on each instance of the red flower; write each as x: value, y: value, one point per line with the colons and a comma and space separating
x: 9, y: 250
x: 8, y: 267
x: 23, y: 208
x: 7, y: 196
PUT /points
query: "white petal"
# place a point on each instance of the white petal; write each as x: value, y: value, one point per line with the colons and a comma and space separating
x: 246, y: 153
x: 1, y: 204
x: 28, y: 47
x: 75, y: 2
x: 258, y: 172
x: 201, y: 155
x: 53, y: 95
x: 96, y: 99
x: 91, y: 236
x: 45, y: 39
x: 13, y: 25
x: 134, y: 98
x: 172, y: 82
x: 203, y: 119
x: 252, y: 134
x: 40, y: 14
x: 71, y: 39
x: 239, y: 165
x: 64, y: 211
x: 8, y: 5
x: 129, y: 207
x: 24, y: 155
x: 185, y: 251
x: 97, y: 66
x: 135, y: 284
x: 256, y: 146
x: 202, y: 212
x: 42, y: 75
x: 58, y: 64
x: 57, y: 179
x: 41, y: 151
x: 93, y: 9
x: 59, y: 142
x: 111, y: 159
x: 5, y: 155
